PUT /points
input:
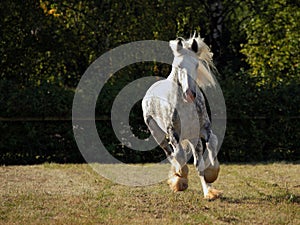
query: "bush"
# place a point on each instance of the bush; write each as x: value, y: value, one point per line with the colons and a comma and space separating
x: 28, y: 131
x: 263, y: 122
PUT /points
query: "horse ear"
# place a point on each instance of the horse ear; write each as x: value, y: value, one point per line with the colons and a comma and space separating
x: 194, y: 46
x: 179, y: 45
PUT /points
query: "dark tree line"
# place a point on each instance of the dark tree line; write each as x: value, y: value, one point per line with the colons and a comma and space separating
x: 46, y: 46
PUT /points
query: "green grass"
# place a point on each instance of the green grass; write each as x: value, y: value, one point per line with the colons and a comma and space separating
x: 75, y: 194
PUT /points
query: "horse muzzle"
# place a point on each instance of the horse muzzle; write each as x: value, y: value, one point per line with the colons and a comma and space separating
x: 189, y: 96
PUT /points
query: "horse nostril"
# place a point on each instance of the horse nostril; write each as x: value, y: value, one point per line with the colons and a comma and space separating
x: 194, y: 94
x: 190, y: 95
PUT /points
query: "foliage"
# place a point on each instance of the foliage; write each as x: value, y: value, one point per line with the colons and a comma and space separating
x: 34, y: 127
x: 273, y: 40
x: 47, y: 45
x: 263, y: 123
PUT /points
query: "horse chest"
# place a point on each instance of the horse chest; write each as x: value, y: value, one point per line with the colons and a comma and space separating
x: 163, y: 101
x: 188, y: 120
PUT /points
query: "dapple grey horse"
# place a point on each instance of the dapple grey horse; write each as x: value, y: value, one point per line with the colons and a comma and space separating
x: 175, y: 112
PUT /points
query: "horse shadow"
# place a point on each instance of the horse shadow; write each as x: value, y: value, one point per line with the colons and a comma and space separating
x: 285, y: 197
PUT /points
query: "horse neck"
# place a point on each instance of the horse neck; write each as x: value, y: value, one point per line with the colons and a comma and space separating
x: 173, y: 76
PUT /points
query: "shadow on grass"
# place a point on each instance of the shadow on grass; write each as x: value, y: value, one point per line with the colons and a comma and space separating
x: 285, y: 197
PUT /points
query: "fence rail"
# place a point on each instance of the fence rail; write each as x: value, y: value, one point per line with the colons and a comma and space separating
x: 107, y: 118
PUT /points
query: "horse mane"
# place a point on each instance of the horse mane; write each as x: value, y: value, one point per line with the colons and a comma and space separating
x: 206, y: 67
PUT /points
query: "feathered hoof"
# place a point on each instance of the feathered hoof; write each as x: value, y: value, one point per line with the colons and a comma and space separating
x: 177, y: 183
x: 211, y: 173
x: 213, y: 194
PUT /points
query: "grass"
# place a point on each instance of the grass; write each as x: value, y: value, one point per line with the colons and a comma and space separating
x: 75, y: 194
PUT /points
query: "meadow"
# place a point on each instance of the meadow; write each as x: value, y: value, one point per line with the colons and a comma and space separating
x: 76, y: 194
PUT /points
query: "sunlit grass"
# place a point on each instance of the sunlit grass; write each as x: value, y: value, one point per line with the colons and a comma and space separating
x: 76, y: 194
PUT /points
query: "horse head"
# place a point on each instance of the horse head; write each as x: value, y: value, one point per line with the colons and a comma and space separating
x: 186, y: 63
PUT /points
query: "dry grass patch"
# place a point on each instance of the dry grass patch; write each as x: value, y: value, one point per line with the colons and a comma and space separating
x: 75, y: 194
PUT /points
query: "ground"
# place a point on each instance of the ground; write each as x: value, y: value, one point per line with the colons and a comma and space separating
x: 75, y: 194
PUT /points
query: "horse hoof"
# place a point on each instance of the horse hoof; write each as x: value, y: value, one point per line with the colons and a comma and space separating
x: 177, y: 183
x: 213, y: 194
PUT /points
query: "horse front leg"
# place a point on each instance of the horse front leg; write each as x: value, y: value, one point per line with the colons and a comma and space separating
x: 208, y: 192
x: 178, y: 180
x: 159, y: 136
x: 211, y: 146
x: 211, y: 140
x: 178, y: 156
x: 200, y: 165
x: 169, y: 143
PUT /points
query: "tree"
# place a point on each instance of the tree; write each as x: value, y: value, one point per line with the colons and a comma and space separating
x: 273, y: 40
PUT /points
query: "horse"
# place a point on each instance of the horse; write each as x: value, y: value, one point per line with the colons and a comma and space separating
x: 175, y: 112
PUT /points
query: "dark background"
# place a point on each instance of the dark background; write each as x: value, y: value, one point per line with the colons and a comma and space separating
x: 46, y: 46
